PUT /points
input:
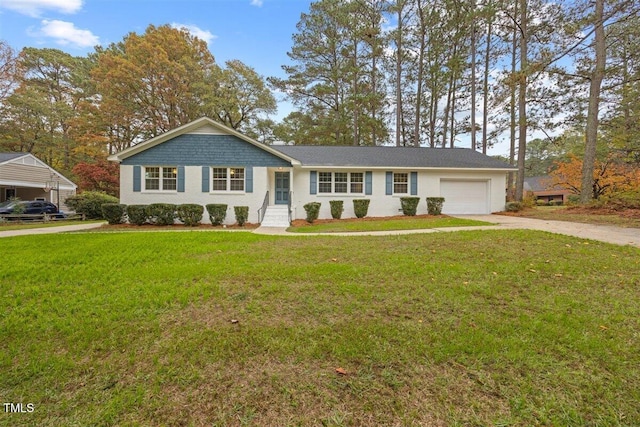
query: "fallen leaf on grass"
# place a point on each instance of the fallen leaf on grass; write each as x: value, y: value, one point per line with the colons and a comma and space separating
x: 341, y: 371
x: 604, y: 328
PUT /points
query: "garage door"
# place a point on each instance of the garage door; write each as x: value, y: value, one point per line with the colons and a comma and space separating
x: 465, y: 197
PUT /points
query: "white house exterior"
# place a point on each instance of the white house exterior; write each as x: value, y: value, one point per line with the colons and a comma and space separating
x: 24, y: 176
x: 205, y: 162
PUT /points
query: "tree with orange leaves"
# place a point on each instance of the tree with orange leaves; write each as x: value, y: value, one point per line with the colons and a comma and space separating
x: 609, y: 176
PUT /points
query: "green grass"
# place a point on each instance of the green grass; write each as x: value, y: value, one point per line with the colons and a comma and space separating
x: 474, y: 328
x: 386, y: 224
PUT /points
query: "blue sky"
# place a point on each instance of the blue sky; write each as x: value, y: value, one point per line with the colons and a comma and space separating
x: 257, y: 32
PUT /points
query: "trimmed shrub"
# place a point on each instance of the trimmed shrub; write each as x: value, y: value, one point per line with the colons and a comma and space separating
x: 313, y: 210
x: 190, y: 214
x: 542, y: 202
x: 114, y: 213
x: 90, y: 203
x: 217, y: 213
x: 409, y: 205
x: 242, y: 213
x: 573, y: 199
x: 337, y: 207
x: 161, y: 213
x: 361, y: 207
x: 514, y: 207
x: 137, y: 214
x: 618, y: 201
x: 434, y: 205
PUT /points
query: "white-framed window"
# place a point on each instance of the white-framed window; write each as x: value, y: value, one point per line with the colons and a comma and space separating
x: 400, y: 183
x: 356, y: 182
x: 325, y: 182
x: 228, y: 179
x: 161, y: 178
x: 340, y: 182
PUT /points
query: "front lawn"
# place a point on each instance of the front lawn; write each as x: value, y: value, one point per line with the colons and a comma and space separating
x: 478, y: 328
x: 383, y: 224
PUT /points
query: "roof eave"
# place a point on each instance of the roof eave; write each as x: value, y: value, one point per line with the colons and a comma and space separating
x: 448, y: 168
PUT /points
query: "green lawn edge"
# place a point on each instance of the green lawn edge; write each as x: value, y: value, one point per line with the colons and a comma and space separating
x: 393, y: 224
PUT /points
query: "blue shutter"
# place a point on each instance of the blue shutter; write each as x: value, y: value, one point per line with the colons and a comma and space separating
x: 205, y: 179
x: 137, y: 178
x: 414, y: 183
x: 180, y: 179
x: 248, y: 179
x: 368, y: 183
x: 389, y: 182
x: 313, y: 182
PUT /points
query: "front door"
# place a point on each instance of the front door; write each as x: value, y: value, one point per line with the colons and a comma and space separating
x: 282, y: 188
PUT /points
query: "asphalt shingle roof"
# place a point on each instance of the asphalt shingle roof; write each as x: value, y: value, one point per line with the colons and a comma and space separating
x: 5, y: 157
x: 398, y: 157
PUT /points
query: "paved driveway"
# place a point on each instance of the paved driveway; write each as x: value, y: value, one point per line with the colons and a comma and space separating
x: 603, y: 233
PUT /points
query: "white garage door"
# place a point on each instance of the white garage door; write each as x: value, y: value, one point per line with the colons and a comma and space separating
x: 465, y: 197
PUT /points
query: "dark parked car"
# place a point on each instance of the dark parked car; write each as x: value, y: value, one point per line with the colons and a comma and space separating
x: 31, y: 208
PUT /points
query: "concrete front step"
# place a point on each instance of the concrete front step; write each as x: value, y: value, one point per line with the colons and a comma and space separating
x: 276, y: 216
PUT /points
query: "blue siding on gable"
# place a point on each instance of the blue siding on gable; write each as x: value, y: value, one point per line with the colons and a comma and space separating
x: 197, y: 149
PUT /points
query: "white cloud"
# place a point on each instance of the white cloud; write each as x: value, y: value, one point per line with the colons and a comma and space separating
x: 34, y: 8
x: 66, y: 33
x: 196, y: 32
x: 256, y: 3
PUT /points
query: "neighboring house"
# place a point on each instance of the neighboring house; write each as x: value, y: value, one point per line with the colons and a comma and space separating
x: 543, y: 189
x: 24, y: 176
x: 205, y: 162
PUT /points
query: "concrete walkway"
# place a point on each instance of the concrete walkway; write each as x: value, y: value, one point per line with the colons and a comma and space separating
x: 51, y: 230
x: 603, y: 233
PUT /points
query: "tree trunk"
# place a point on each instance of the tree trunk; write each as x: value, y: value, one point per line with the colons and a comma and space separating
x: 485, y: 88
x: 399, y: 77
x: 473, y: 78
x: 512, y: 111
x: 591, y: 133
x: 416, y: 129
x: 522, y: 102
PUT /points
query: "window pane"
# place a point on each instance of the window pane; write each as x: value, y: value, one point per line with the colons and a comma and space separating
x: 151, y: 178
x: 400, y: 182
x: 324, y: 182
x: 356, y: 182
x: 219, y: 179
x: 169, y: 178
x: 237, y: 179
x: 341, y: 182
